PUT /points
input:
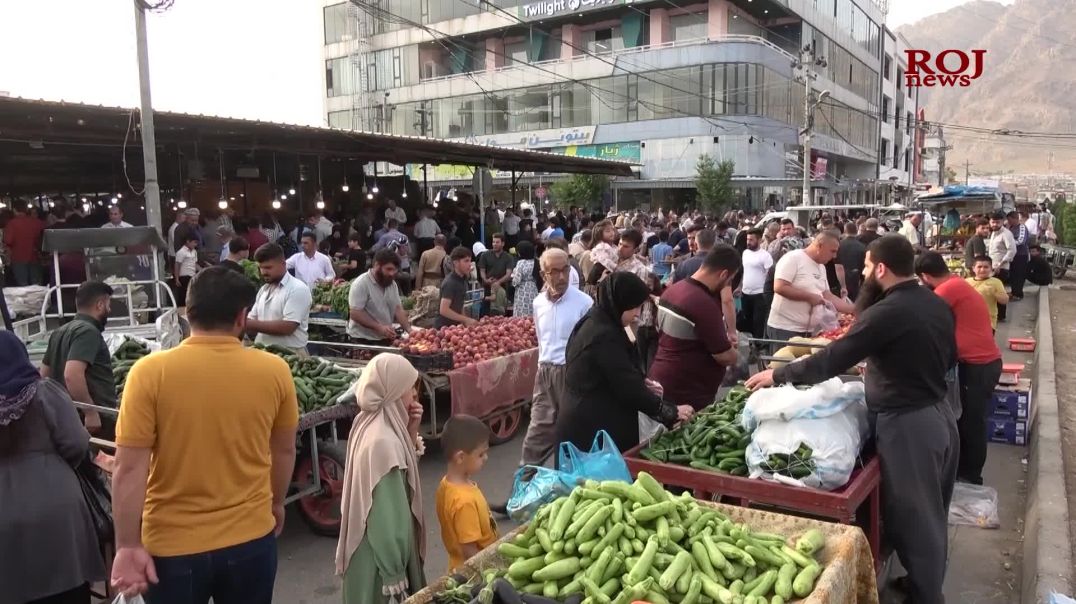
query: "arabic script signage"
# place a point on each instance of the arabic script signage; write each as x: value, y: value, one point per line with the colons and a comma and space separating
x: 629, y: 152
x: 553, y: 8
x: 539, y: 139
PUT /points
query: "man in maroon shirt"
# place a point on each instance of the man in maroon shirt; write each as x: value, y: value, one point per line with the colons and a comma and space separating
x: 693, y: 345
x: 978, y: 360
x: 22, y: 236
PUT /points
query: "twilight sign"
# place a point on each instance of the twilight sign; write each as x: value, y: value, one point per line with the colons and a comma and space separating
x: 552, y: 8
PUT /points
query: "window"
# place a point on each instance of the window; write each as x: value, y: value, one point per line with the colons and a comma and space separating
x: 887, y: 66
x: 335, y: 23
x: 339, y: 80
x: 900, y: 77
x: 908, y: 160
x: 883, y: 153
x: 340, y: 119
x: 896, y: 156
x: 688, y: 27
x: 515, y: 53
x: 603, y: 41
x: 908, y: 122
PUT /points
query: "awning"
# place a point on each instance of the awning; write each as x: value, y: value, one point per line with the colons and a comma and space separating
x: 76, y: 240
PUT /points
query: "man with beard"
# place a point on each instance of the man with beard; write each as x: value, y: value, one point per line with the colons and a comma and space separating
x: 374, y: 301
x: 978, y: 360
x: 908, y: 339
x: 1001, y: 247
x: 281, y: 310
x: 976, y: 245
x: 756, y: 264
x: 693, y: 339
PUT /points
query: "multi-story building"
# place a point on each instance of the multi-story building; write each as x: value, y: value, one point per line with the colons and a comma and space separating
x: 897, y: 146
x: 656, y: 82
x: 933, y: 168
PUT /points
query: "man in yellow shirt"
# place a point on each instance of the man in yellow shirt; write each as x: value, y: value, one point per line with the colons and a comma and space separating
x: 989, y: 287
x: 205, y: 452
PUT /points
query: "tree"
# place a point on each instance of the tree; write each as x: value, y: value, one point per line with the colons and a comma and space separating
x: 713, y: 181
x: 584, y: 190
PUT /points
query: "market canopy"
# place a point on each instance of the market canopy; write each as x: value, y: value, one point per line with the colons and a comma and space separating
x: 47, y: 145
x: 76, y: 240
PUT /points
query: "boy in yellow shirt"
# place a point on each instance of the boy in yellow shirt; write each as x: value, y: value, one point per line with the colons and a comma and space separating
x: 989, y: 287
x: 467, y: 527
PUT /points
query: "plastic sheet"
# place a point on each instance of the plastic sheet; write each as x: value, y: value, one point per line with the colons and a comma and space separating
x: 485, y: 387
x: 974, y: 505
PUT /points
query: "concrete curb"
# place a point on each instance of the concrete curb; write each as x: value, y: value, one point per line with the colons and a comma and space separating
x: 1047, y: 557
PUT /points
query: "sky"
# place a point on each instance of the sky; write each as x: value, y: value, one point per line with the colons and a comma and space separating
x: 254, y: 59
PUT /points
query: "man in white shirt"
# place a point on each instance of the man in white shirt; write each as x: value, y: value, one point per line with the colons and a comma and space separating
x: 911, y: 232
x: 556, y: 311
x: 1001, y: 247
x: 310, y: 265
x: 799, y: 285
x: 185, y: 266
x: 394, y: 213
x: 115, y: 219
x: 323, y: 227
x: 181, y: 218
x: 425, y: 230
x: 756, y: 263
x: 281, y: 311
x: 510, y: 227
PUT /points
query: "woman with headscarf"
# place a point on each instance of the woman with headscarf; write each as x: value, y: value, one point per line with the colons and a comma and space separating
x: 382, y: 533
x: 48, y: 543
x: 527, y: 279
x: 606, y: 388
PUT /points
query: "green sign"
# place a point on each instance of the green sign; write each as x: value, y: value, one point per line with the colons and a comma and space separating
x: 629, y: 152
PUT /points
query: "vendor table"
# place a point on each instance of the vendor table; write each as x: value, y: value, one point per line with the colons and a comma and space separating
x: 858, y: 502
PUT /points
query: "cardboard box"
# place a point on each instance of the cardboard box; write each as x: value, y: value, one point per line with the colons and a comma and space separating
x: 1011, y: 402
x: 1006, y: 431
x: 1022, y: 344
x: 1010, y: 374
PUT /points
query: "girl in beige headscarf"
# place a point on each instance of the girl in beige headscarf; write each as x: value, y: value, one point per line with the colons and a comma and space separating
x: 382, y: 539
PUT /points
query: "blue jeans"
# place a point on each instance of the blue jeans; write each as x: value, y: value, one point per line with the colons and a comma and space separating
x: 240, y: 574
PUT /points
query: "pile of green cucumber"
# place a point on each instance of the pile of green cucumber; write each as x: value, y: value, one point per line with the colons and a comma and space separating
x: 714, y: 440
x: 123, y: 359
x: 616, y: 543
x: 318, y: 383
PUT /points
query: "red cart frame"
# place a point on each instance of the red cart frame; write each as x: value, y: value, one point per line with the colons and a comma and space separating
x: 858, y: 502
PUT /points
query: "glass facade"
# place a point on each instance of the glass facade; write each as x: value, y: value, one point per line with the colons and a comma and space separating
x: 721, y: 89
x: 853, y: 21
x: 335, y: 18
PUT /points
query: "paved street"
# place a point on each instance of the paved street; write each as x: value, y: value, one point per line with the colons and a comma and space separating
x: 306, y: 570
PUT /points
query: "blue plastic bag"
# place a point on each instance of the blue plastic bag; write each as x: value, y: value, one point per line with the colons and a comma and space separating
x: 603, y: 462
x: 544, y: 486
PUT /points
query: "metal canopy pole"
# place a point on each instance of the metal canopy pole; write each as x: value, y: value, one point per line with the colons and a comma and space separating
x: 149, y: 145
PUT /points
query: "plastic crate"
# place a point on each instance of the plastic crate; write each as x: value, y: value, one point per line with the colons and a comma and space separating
x: 1010, y: 374
x: 1022, y: 344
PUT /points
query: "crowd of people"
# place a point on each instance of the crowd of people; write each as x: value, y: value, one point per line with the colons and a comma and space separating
x: 624, y: 305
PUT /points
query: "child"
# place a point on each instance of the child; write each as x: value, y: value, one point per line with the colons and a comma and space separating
x: 989, y: 286
x: 498, y: 301
x: 467, y: 526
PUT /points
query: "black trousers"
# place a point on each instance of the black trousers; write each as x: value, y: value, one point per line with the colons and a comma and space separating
x: 918, y: 450
x: 977, y: 383
x: 1004, y: 275
x: 1018, y: 274
x: 754, y: 312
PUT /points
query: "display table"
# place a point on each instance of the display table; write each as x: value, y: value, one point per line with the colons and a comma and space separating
x: 858, y: 502
x: 848, y: 577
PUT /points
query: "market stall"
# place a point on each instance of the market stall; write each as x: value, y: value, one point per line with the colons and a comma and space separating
x: 619, y: 542
x: 776, y: 464
x: 486, y: 370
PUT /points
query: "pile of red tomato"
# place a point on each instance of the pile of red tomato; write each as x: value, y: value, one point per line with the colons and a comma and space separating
x: 490, y: 338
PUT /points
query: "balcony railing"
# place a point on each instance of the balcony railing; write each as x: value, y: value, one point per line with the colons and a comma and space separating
x: 743, y: 38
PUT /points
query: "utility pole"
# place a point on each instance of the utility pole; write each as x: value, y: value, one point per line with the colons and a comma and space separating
x: 805, y: 63
x: 423, y: 123
x: 149, y: 144
x: 967, y: 172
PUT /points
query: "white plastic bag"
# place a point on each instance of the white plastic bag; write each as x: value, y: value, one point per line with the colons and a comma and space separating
x: 974, y: 505
x: 25, y: 301
x: 1056, y: 598
x: 830, y: 418
x: 789, y: 402
x: 122, y: 599
x: 114, y: 340
x: 823, y: 318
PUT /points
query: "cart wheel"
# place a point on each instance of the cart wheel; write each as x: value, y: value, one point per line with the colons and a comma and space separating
x: 504, y: 426
x: 321, y: 511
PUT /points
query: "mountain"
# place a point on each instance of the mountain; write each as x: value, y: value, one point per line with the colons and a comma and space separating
x: 1028, y: 82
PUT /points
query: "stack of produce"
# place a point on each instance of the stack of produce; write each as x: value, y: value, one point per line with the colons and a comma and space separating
x: 490, y: 338
x: 797, y: 464
x: 250, y: 269
x: 123, y: 359
x: 617, y: 543
x: 331, y: 296
x: 318, y: 383
x: 714, y: 440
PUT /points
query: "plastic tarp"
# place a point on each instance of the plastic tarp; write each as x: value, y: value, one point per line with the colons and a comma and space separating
x: 485, y: 387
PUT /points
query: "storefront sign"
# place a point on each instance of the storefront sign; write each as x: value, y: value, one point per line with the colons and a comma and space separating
x: 553, y: 8
x: 537, y: 139
x: 629, y: 152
